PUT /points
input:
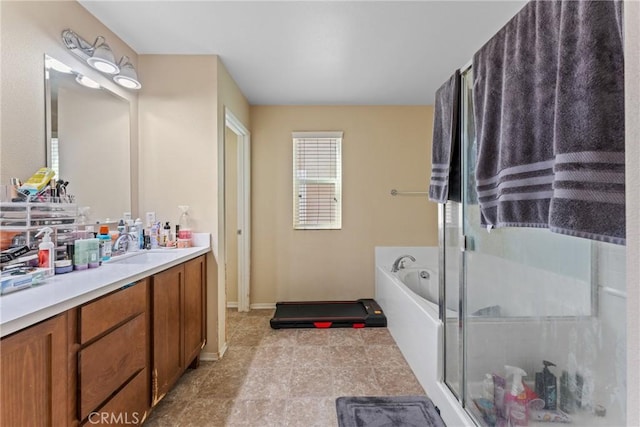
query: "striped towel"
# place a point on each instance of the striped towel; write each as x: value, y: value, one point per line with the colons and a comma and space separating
x: 445, y: 172
x: 549, y: 108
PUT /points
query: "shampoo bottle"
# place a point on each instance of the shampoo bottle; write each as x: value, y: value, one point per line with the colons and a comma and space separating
x: 516, y: 398
x: 46, y: 252
x: 546, y: 386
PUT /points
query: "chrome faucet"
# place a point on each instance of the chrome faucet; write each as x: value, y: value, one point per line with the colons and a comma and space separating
x: 121, y: 245
x: 399, y: 263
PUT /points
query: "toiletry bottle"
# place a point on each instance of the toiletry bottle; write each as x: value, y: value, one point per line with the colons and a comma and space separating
x: 516, y: 398
x: 46, y: 251
x: 546, y: 386
x: 184, y: 238
x: 166, y: 234
x: 154, y: 235
x: 487, y: 387
x: 93, y: 251
x: 122, y: 228
x: 105, y: 238
x: 139, y: 232
x: 80, y: 255
x: 567, y: 399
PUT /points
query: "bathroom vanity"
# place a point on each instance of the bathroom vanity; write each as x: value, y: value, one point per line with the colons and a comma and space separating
x: 103, y: 345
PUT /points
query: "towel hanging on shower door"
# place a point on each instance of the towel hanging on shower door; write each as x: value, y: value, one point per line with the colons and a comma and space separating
x: 549, y: 107
x: 445, y: 154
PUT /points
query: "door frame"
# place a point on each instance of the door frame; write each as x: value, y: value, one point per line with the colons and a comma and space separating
x: 244, y: 208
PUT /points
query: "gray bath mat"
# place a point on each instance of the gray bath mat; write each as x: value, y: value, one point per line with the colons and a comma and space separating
x: 392, y: 411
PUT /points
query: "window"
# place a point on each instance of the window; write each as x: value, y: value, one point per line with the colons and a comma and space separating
x: 55, y: 160
x: 317, y: 180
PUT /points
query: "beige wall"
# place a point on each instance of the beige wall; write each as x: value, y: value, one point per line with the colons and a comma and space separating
x: 28, y: 30
x: 383, y: 148
x: 182, y: 156
x: 178, y: 156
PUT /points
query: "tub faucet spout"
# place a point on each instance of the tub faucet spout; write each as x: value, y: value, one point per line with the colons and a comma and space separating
x: 399, y: 263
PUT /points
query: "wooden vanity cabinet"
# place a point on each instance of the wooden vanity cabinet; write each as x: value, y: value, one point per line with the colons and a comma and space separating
x: 107, y: 361
x: 34, y: 375
x: 178, y: 300
x: 113, y: 357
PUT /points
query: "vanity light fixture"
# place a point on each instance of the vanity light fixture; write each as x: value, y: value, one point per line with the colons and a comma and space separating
x: 103, y: 59
x: 86, y: 81
x: 57, y: 65
x: 128, y: 77
x: 98, y: 55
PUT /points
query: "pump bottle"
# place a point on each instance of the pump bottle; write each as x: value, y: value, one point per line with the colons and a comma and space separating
x: 546, y: 386
x: 46, y: 252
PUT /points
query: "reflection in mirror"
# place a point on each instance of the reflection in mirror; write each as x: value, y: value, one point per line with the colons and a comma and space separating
x: 88, y: 131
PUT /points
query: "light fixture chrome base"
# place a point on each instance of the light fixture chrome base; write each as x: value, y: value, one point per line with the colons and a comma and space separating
x: 77, y: 45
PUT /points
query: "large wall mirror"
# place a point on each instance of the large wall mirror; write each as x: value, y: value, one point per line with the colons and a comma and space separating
x: 88, y: 141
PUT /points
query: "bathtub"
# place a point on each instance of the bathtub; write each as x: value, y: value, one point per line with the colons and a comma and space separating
x: 409, y: 299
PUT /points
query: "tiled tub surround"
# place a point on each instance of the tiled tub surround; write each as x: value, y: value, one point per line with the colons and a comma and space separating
x: 285, y: 377
x: 62, y: 292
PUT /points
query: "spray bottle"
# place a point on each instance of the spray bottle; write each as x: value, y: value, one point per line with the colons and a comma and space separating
x: 516, y: 397
x: 46, y: 251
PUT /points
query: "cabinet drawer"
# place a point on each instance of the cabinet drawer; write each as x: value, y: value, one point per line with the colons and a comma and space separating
x: 128, y: 407
x: 105, y: 365
x: 105, y: 313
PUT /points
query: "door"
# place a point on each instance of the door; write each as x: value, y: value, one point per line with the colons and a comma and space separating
x: 194, y: 309
x: 168, y: 362
x: 237, y: 214
x: 34, y: 375
x: 231, y: 215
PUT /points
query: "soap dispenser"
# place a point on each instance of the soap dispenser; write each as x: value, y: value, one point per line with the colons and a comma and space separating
x: 46, y: 251
x: 546, y: 386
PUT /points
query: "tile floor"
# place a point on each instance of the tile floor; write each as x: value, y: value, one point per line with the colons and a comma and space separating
x: 285, y: 377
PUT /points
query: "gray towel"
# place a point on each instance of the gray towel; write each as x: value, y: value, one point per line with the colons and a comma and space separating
x: 445, y: 151
x: 549, y: 112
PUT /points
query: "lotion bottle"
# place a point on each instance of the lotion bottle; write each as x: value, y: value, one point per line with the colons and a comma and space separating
x: 46, y: 252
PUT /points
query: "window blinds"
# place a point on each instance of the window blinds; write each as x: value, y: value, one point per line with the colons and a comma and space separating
x: 317, y: 180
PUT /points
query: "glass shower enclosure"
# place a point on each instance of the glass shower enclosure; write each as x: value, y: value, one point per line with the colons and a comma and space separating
x: 521, y: 296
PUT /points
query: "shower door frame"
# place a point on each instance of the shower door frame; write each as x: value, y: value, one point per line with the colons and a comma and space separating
x: 459, y: 394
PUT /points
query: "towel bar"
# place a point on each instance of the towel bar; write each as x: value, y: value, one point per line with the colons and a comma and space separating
x: 395, y: 192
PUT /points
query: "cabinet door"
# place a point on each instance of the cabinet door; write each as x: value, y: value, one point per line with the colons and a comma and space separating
x: 194, y: 308
x: 168, y: 360
x: 33, y: 375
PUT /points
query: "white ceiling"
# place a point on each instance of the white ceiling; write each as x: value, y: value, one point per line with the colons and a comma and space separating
x: 316, y: 52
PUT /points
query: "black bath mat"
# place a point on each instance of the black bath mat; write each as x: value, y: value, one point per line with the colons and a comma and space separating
x: 405, y: 411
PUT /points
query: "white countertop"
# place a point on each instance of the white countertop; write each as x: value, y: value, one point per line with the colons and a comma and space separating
x: 62, y: 292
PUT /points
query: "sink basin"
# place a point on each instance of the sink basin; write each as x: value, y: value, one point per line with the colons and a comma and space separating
x: 123, y: 257
x: 141, y: 257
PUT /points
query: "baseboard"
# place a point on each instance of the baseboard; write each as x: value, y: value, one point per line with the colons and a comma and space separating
x: 256, y: 306
x: 209, y: 357
x: 263, y: 306
x: 214, y: 356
